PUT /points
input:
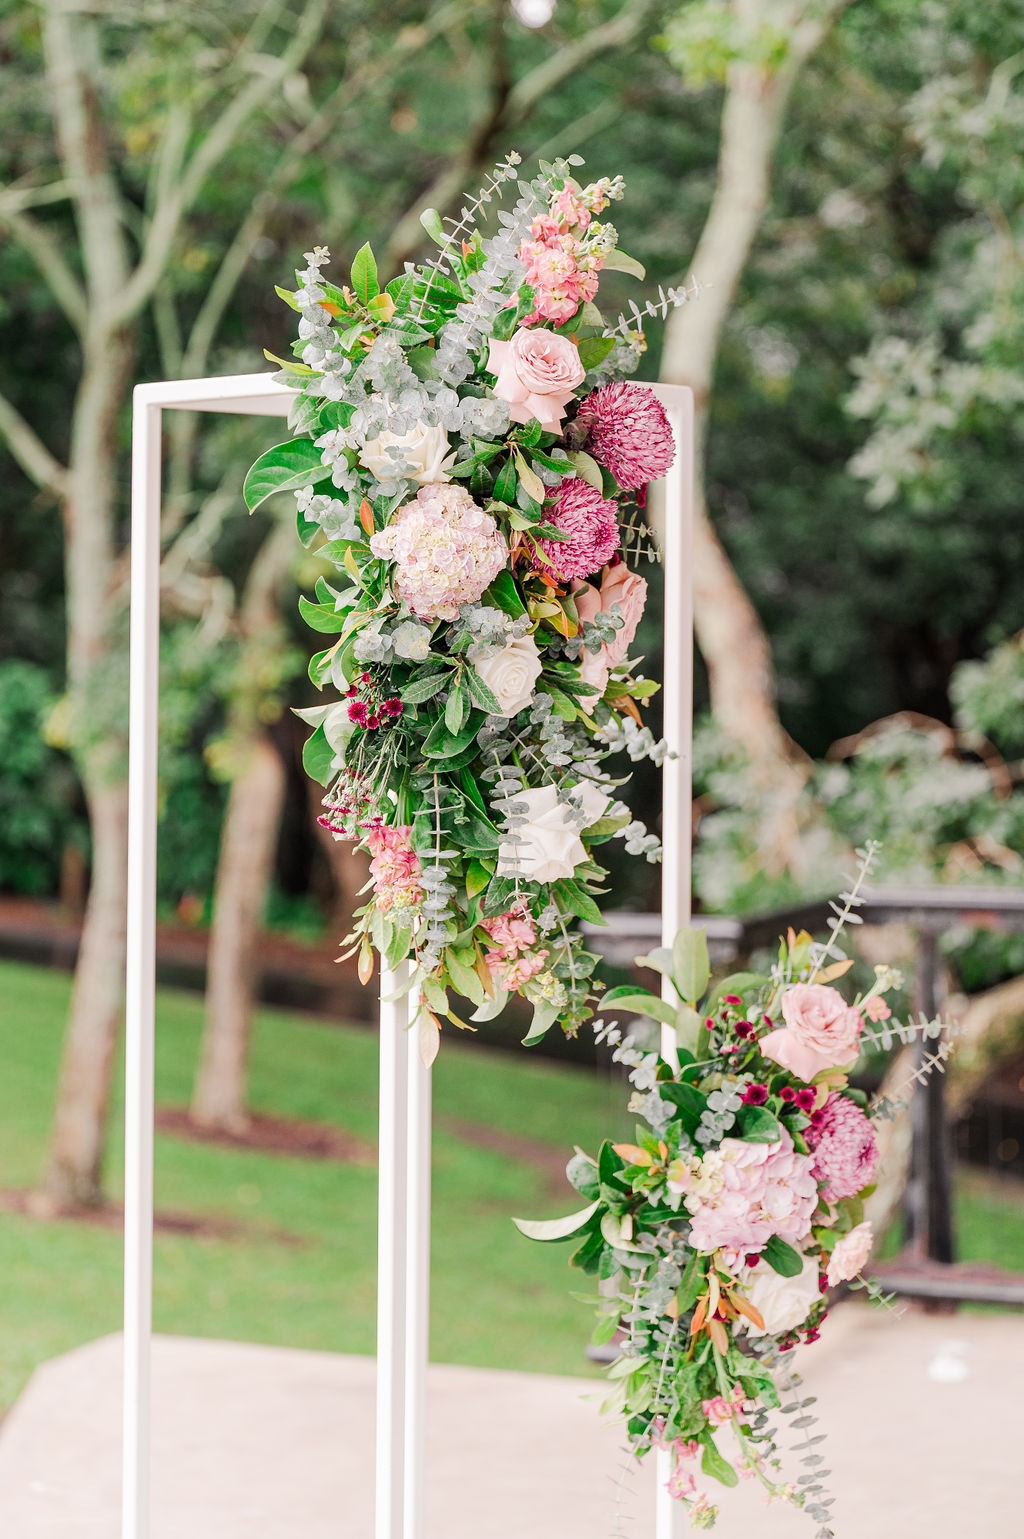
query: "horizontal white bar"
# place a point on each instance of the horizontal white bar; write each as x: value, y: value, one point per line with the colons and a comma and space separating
x: 251, y: 394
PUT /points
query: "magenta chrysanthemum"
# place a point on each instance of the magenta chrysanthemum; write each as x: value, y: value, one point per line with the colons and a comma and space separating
x: 628, y: 431
x: 446, y: 551
x: 844, y: 1148
x: 591, y: 523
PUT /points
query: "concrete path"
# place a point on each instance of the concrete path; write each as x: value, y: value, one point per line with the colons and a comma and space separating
x: 924, y: 1416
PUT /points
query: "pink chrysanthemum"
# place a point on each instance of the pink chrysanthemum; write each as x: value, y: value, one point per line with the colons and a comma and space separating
x: 590, y: 521
x: 628, y: 431
x: 844, y: 1147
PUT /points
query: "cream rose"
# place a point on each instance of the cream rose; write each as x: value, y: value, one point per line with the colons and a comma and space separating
x: 821, y: 1032
x: 420, y: 455
x: 511, y: 673
x: 537, y: 374
x: 547, y: 846
x: 618, y: 586
x: 783, y: 1302
x: 850, y: 1255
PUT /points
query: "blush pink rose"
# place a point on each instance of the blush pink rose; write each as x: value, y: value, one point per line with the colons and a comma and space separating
x: 851, y: 1255
x: 537, y: 374
x: 618, y: 586
x: 821, y: 1032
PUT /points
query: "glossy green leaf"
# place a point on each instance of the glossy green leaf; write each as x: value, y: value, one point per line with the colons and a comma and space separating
x: 364, y: 275
x: 285, y: 468
x: 782, y: 1258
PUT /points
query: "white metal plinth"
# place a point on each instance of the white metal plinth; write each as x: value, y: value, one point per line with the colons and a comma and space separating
x: 405, y: 1083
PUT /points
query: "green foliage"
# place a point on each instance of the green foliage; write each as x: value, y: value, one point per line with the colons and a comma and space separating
x: 39, y: 811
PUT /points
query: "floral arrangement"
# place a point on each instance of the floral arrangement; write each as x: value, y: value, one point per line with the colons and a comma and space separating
x: 470, y: 466
x: 720, y: 1232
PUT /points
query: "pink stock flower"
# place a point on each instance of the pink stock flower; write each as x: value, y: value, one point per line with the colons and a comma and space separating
x: 445, y: 548
x: 395, y: 867
x: 876, y: 1008
x: 628, y: 431
x: 681, y: 1483
x: 850, y: 1255
x: 569, y: 209
x: 844, y: 1147
x: 618, y: 586
x: 536, y: 373
x: 821, y: 1032
x: 718, y: 1411
x: 591, y: 523
x: 741, y: 1194
x: 512, y: 932
x: 513, y: 974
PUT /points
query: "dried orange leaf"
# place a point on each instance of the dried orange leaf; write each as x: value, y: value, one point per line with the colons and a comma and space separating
x: 366, y: 516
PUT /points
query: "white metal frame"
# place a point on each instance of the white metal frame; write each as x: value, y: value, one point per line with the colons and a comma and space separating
x: 403, y: 1245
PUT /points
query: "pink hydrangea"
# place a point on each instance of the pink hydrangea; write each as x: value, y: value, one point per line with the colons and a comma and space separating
x: 844, y: 1147
x: 628, y: 431
x: 591, y: 523
x: 445, y: 548
x: 395, y: 867
x: 741, y: 1194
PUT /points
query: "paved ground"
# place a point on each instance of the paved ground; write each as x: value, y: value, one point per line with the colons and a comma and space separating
x: 262, y: 1443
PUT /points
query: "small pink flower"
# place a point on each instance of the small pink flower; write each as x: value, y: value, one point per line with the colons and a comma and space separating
x: 681, y: 1484
x: 591, y: 523
x: 851, y: 1254
x: 537, y: 374
x: 512, y: 975
x: 395, y: 867
x: 569, y: 208
x: 821, y: 1032
x: 718, y: 1411
x: 876, y: 1008
x: 512, y: 932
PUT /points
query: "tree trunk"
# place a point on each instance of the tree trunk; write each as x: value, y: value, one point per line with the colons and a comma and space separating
x: 247, y: 847
x: 73, y: 1176
x: 730, y: 635
x: 74, y: 1171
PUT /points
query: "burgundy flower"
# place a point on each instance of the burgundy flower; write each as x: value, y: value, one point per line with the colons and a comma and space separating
x: 591, y: 525
x: 755, y: 1095
x: 788, y: 1093
x: 628, y: 431
x: 805, y: 1099
x: 393, y: 707
x: 358, y: 711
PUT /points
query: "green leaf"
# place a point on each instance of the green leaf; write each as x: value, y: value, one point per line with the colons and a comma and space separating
x: 424, y: 688
x: 456, y: 710
x: 609, y: 1163
x: 738, y: 984
x: 640, y: 1003
x: 594, y: 350
x: 430, y: 219
x: 477, y: 878
x: 782, y: 1258
x: 587, y: 469
x: 318, y: 756
x: 288, y: 296
x: 544, y: 1017
x: 712, y: 1462
x: 482, y: 695
x: 579, y: 902
x: 581, y: 1173
x: 364, y: 275
x: 660, y: 960
x: 322, y: 617
x: 687, y: 1097
x: 464, y: 978
x: 504, y: 594
x: 757, y: 1125
x: 285, y: 468
x: 618, y: 262
x: 506, y: 484
x: 690, y: 966
x: 442, y: 744
x: 557, y: 1228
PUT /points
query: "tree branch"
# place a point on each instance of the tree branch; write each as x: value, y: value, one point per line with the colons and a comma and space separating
x: 44, y: 249
x: 214, y: 145
x: 30, y: 452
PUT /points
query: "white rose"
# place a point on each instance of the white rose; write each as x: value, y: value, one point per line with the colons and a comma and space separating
x: 547, y: 846
x: 784, y: 1302
x: 511, y: 673
x: 419, y: 455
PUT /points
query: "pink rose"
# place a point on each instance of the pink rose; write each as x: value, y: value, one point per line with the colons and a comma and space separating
x: 537, y: 373
x: 618, y: 586
x: 850, y: 1255
x: 717, y: 1411
x: 821, y: 1032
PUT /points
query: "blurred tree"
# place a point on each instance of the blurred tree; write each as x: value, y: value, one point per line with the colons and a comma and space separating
x: 145, y: 123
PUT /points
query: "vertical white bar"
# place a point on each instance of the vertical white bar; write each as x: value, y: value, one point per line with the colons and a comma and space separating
x: 141, y: 962
x: 417, y: 1286
x: 677, y: 782
x: 392, y: 1259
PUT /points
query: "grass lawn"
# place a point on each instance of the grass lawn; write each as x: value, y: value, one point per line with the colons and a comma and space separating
x: 303, y: 1271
